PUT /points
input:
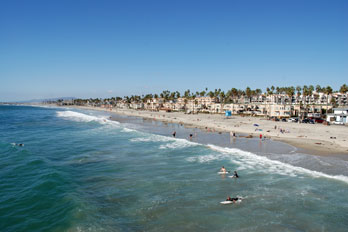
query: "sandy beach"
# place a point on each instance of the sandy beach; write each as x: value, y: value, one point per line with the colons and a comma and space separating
x: 313, y: 138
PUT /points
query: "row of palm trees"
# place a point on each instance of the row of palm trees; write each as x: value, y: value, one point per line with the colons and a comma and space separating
x: 229, y: 96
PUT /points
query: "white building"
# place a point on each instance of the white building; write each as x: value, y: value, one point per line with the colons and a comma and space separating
x: 279, y: 111
x: 339, y: 116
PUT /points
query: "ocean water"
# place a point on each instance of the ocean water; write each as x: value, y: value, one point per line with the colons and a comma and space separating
x: 81, y: 171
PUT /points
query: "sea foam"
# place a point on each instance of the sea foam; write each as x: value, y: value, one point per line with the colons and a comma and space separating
x: 80, y: 117
x: 251, y: 161
x: 169, y: 142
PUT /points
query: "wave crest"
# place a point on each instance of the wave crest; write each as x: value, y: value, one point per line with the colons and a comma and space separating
x: 80, y: 117
x: 171, y: 143
x: 251, y: 161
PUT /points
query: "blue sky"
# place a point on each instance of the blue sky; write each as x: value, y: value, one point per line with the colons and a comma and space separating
x: 115, y: 48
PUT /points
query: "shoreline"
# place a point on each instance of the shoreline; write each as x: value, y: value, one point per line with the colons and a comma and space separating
x: 314, y: 139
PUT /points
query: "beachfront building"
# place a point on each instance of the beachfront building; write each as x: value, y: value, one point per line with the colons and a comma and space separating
x: 154, y: 104
x: 66, y: 102
x: 340, y: 98
x: 269, y: 104
x: 339, y: 116
x: 279, y: 111
x: 216, y: 108
x: 234, y: 108
x: 136, y: 105
x: 122, y: 104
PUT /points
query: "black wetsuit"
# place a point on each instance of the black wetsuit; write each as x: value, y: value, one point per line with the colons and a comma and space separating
x: 235, y: 175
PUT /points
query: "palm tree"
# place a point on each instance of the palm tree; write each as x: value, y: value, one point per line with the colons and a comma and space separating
x: 222, y: 97
x: 344, y: 88
x: 298, y: 89
x: 333, y: 102
x: 328, y: 91
x: 248, y: 93
x: 277, y: 90
x: 234, y: 93
x: 211, y: 94
x: 177, y: 94
x: 195, y: 103
x: 304, y: 93
x: 187, y: 93
x: 290, y: 91
x: 268, y: 90
x: 310, y: 90
x: 185, y: 101
x: 193, y: 97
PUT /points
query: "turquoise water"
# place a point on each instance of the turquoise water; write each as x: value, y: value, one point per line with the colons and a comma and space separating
x: 80, y: 171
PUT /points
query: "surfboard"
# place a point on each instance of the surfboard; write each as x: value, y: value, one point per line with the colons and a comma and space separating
x: 230, y: 202
x: 226, y: 202
x: 232, y: 177
x: 222, y: 173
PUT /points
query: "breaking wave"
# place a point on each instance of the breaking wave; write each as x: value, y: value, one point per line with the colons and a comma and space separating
x: 80, y: 117
x: 171, y: 143
x: 128, y: 130
x: 251, y: 161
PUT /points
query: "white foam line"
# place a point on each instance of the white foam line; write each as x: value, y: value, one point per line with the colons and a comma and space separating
x: 80, y: 117
x: 179, y: 143
x: 171, y: 143
x: 251, y: 160
x: 246, y: 160
x: 125, y: 129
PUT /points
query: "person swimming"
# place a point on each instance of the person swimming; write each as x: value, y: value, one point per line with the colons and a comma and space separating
x: 232, y: 199
x: 18, y: 144
x: 235, y: 175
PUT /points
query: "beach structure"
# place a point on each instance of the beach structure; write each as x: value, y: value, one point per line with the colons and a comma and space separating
x: 271, y: 105
x: 339, y: 116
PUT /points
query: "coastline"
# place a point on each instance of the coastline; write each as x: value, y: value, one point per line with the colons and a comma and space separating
x: 315, y: 139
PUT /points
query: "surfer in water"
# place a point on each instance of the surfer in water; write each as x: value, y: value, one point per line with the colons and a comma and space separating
x: 223, y: 169
x: 235, y: 175
x: 191, y: 136
x: 18, y: 144
x: 232, y: 199
x: 174, y: 134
